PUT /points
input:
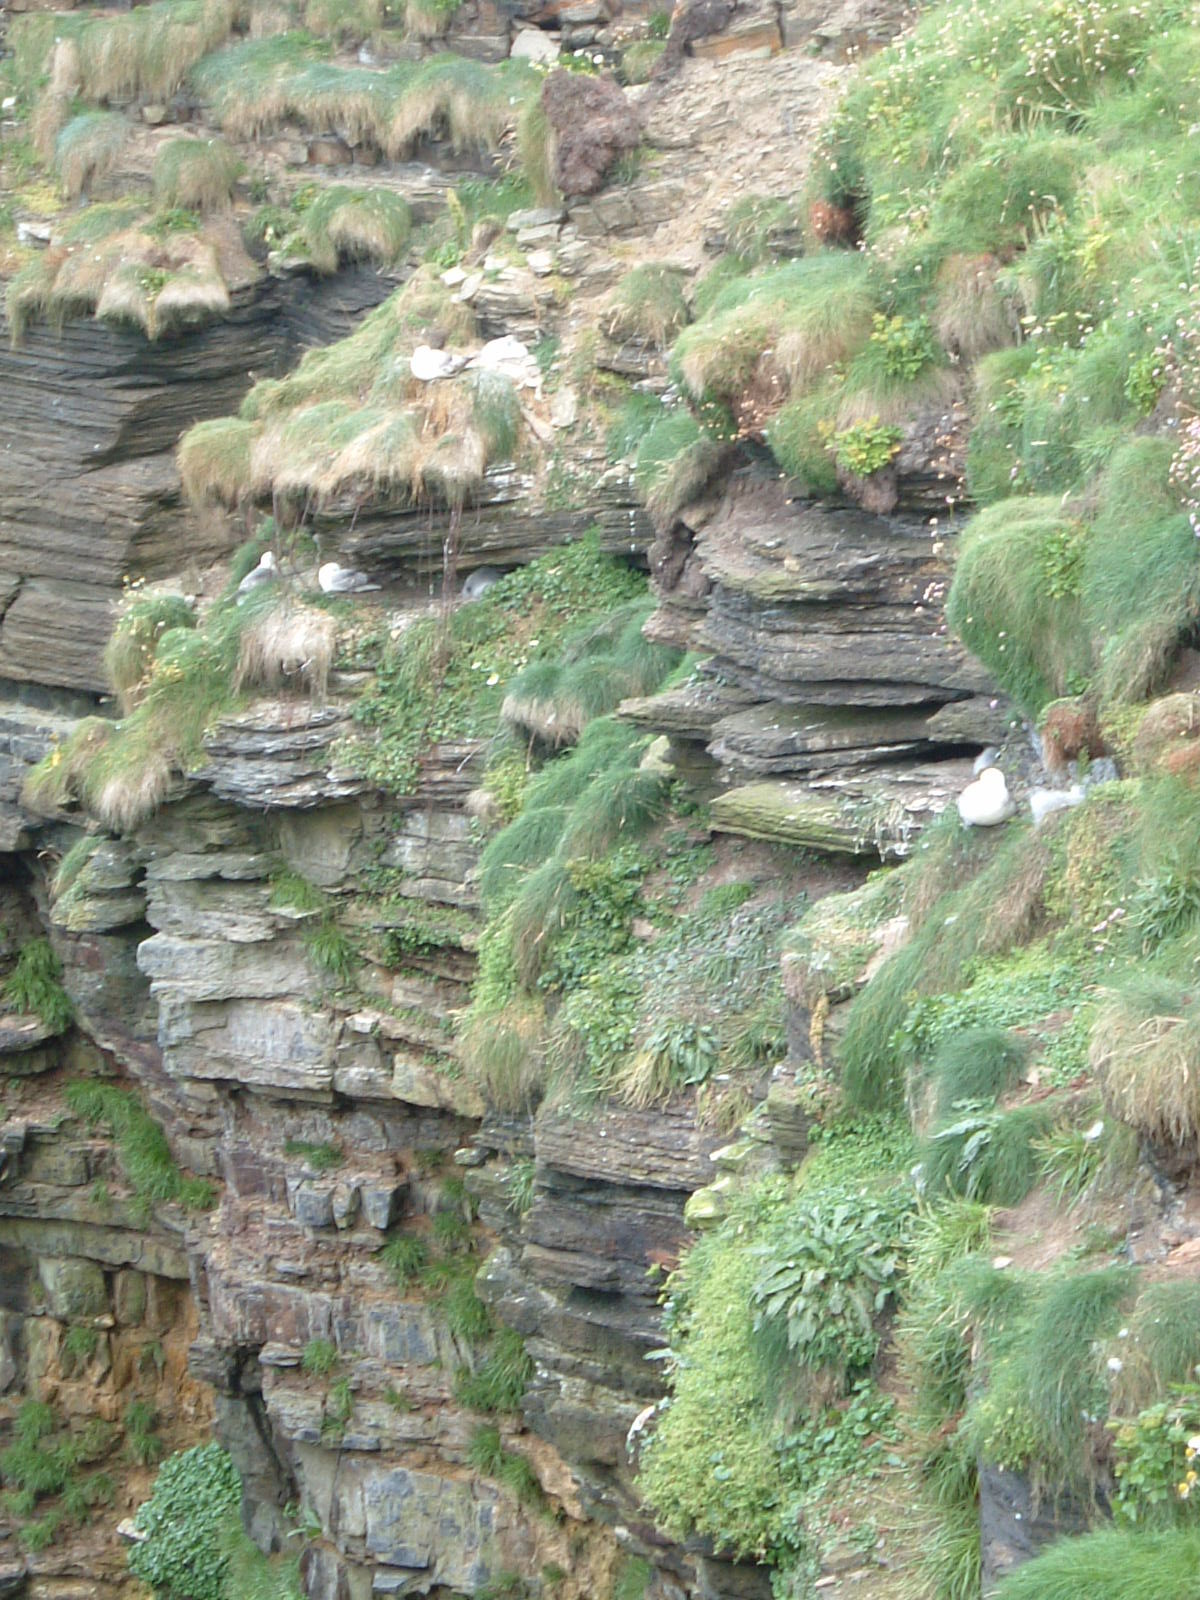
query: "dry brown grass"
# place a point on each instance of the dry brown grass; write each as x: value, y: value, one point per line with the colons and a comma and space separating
x: 131, y: 794
x: 54, y: 784
x: 87, y: 149
x: 893, y: 407
x: 971, y: 318
x: 289, y: 647
x: 146, y: 53
x: 505, y: 1054
x: 1147, y: 1063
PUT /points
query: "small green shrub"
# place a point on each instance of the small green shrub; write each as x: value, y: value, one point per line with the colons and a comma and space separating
x: 827, y: 1272
x: 331, y: 950
x: 197, y: 1496
x: 1156, y: 1462
x: 866, y: 447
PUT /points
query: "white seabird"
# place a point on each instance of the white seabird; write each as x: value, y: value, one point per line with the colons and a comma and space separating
x: 986, y: 802
x: 335, y: 579
x: 428, y: 364
x: 480, y: 581
x: 267, y: 571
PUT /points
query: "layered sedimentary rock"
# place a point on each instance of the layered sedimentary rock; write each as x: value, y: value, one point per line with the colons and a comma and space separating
x: 832, y: 700
x: 97, y: 411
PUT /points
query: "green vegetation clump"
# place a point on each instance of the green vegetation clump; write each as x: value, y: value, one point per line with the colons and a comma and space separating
x: 319, y: 1357
x: 142, y: 1146
x: 197, y: 1496
x: 1110, y: 1565
x: 648, y: 306
x: 257, y: 86
x: 446, y: 683
x: 345, y: 224
x: 500, y: 1381
x: 487, y: 1454
x: 34, y: 986
x: 195, y: 174
x: 344, y: 420
x: 123, y: 771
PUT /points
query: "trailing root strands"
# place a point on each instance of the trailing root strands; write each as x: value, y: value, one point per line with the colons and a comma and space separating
x: 288, y: 647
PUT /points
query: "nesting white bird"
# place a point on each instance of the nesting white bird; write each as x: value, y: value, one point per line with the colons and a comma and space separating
x: 985, y: 759
x: 336, y: 579
x: 480, y: 581
x: 1045, y: 802
x: 267, y: 571
x: 986, y: 802
x: 428, y: 364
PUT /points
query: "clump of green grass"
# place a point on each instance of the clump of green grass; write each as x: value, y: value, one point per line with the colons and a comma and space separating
x: 345, y: 224
x: 34, y: 986
x: 88, y: 148
x: 321, y: 1157
x: 1015, y: 598
x: 404, y: 1255
x: 987, y: 1155
x: 1159, y: 1348
x: 487, y: 1454
x: 1145, y: 1053
x: 319, y: 1357
x: 596, y: 667
x: 676, y: 459
x: 142, y: 1146
x: 196, y: 174
x: 1110, y: 1565
x: 129, y: 653
x: 499, y: 1383
x: 648, y: 306
x: 981, y: 1064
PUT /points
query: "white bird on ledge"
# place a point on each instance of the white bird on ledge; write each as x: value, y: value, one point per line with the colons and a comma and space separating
x: 335, y: 579
x: 986, y: 802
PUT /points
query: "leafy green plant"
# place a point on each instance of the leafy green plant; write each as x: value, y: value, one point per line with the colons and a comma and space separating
x: 197, y: 1495
x: 1157, y: 1456
x: 986, y: 1154
x: 827, y: 1273
x: 866, y: 447
x: 905, y: 345
x: 319, y: 1357
x: 35, y: 985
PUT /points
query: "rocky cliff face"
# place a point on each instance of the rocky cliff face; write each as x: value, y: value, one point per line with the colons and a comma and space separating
x: 301, y: 1317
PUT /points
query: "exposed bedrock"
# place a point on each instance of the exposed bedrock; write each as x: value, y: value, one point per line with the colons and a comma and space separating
x: 97, y: 411
x: 832, y: 700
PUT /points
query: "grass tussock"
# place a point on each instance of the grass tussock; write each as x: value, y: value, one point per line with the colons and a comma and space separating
x: 113, y: 264
x: 605, y: 663
x: 260, y: 86
x: 195, y: 174
x: 288, y: 647
x: 129, y: 653
x: 1146, y: 1057
x: 87, y: 149
x: 344, y: 224
x: 647, y: 306
x: 121, y: 772
x: 351, y: 421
